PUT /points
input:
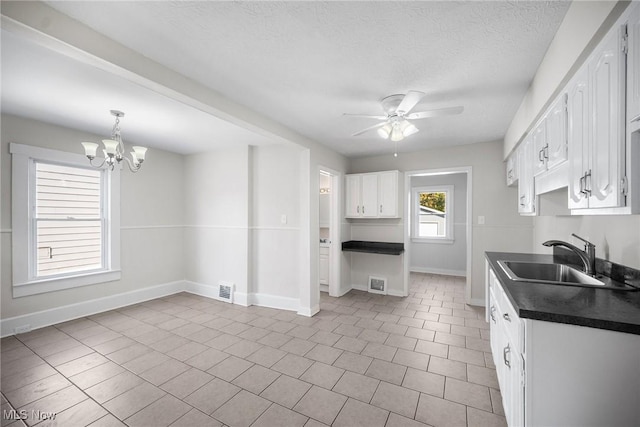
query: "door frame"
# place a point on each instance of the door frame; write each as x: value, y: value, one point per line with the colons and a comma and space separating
x: 334, y: 229
x: 468, y: 227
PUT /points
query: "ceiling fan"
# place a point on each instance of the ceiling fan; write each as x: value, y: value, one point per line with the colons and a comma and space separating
x: 396, y: 125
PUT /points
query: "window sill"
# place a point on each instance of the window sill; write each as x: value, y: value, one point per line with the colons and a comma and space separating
x: 42, y: 286
x: 443, y: 241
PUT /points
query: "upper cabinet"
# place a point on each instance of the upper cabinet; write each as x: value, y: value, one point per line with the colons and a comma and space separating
x: 526, y: 195
x: 596, y: 127
x: 550, y: 137
x: 512, y: 168
x: 372, y: 195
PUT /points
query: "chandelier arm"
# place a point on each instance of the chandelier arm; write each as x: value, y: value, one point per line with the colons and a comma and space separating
x: 133, y: 167
x: 97, y: 166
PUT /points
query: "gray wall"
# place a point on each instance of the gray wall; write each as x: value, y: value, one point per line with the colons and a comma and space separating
x: 443, y: 258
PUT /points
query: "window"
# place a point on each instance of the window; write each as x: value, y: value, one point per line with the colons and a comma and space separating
x: 65, y: 221
x: 433, y: 213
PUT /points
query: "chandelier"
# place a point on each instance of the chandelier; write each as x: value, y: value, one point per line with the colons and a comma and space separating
x: 114, y: 151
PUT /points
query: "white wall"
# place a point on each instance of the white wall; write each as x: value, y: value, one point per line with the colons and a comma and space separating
x: 444, y: 258
x: 504, y: 229
x: 216, y: 232
x: 151, y: 219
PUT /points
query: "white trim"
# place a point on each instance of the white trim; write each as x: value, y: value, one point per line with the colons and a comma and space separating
x: 241, y: 298
x: 235, y: 227
x: 442, y: 271
x: 370, y: 224
x: 274, y: 301
x: 41, y: 286
x: 359, y: 288
x: 148, y: 227
x: 395, y: 293
x: 324, y: 288
x: 448, y: 190
x: 65, y: 313
x: 275, y: 228
x: 309, y: 312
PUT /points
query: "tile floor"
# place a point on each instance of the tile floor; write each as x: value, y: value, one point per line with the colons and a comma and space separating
x: 186, y: 360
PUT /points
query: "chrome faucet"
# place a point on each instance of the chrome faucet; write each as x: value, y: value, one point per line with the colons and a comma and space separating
x: 588, y: 256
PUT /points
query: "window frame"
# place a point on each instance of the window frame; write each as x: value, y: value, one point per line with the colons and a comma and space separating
x: 24, y: 242
x: 448, y: 237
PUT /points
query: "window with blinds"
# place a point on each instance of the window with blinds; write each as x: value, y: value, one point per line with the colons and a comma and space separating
x: 68, y: 219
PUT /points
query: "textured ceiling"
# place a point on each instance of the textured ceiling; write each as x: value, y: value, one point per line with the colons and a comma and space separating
x: 303, y: 64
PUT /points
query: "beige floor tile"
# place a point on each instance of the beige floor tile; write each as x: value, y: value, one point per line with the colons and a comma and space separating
x: 394, y: 328
x: 212, y: 395
x: 478, y: 418
x: 372, y: 335
x: 427, y: 317
x: 146, y: 362
x: 468, y: 394
x: 223, y: 341
x: 425, y: 382
x: 302, y: 332
x: 236, y: 328
x: 36, y: 390
x: 195, y: 418
x: 496, y: 401
x: 411, y: 322
x: 281, y: 327
x: 421, y: 334
x: 322, y: 375
x: 102, y: 338
x: 320, y: 404
x: 353, y: 362
x: 128, y: 353
x: 20, y: 365
x: 354, y: 345
x: 256, y: 379
x: 440, y: 413
x: 286, y: 391
x: 186, y: 383
x: 170, y: 343
x: 230, y: 368
x: 324, y: 354
x: 397, y: 399
x: 465, y: 331
x: 204, y: 335
x: 187, y: 351
x: 466, y: 355
x: 348, y: 330
x: 385, y: 371
x: 326, y: 338
x: 367, y: 321
x: 81, y: 414
x: 298, y: 346
x: 275, y: 339
x: 277, y: 416
x: 396, y: 420
x: 53, y: 348
x: 433, y: 325
x: 53, y: 404
x: 379, y: 351
x: 266, y: 356
x: 96, y: 375
x: 449, y: 368
x: 292, y: 365
x: 242, y: 409
x: 108, y: 389
x: 21, y: 379
x: 164, y: 372
x: 171, y: 324
x: 108, y: 421
x: 359, y: 414
x: 89, y: 332
x: 254, y: 333
x: 412, y: 359
x: 432, y: 348
x: 483, y: 376
x: 133, y: 400
x: 478, y: 344
x: 162, y: 412
x: 68, y: 355
x: 450, y: 339
x: 153, y: 336
x: 113, y: 345
x: 357, y: 386
x: 207, y: 359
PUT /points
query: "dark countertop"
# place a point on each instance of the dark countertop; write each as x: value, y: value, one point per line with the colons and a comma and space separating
x: 614, y: 310
x: 383, y: 248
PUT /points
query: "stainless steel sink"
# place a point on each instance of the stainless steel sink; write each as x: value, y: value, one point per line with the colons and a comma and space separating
x: 558, y: 274
x: 546, y: 273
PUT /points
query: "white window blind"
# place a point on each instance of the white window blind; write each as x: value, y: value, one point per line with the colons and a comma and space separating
x: 69, y: 219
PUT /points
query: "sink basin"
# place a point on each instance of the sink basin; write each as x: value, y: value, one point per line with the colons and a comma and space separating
x: 546, y: 273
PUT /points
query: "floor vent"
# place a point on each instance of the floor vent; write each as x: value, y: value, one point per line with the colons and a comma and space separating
x: 377, y: 285
x: 225, y: 292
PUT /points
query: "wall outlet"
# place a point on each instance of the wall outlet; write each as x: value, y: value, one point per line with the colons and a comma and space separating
x: 22, y: 329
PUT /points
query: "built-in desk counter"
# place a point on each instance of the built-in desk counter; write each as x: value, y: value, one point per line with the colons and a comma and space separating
x: 383, y: 248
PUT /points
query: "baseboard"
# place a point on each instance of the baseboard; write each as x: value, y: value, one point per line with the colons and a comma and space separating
x: 359, y: 287
x: 344, y: 291
x: 40, y: 319
x: 442, y: 271
x: 273, y: 301
x: 324, y: 288
x: 209, y: 291
x: 309, y: 312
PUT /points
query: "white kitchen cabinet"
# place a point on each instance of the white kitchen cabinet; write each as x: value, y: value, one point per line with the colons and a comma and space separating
x: 512, y: 168
x: 550, y: 137
x: 527, y: 199
x: 556, y: 374
x: 372, y: 195
x: 323, y: 270
x: 596, y: 127
x: 633, y: 66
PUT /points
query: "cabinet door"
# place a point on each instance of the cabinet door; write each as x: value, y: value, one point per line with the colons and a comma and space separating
x: 606, y: 81
x: 556, y: 123
x: 512, y: 168
x: 633, y: 66
x: 577, y: 134
x: 526, y: 195
x: 388, y: 194
x: 369, y: 189
x: 539, y: 159
x: 352, y: 196
x: 323, y: 273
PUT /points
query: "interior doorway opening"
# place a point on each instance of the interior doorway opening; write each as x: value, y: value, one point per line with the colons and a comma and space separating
x: 329, y: 231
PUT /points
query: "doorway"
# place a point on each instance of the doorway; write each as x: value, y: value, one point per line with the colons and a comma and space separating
x: 438, y: 226
x: 329, y: 231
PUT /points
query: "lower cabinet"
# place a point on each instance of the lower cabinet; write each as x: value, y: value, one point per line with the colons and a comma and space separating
x: 556, y: 374
x: 323, y: 271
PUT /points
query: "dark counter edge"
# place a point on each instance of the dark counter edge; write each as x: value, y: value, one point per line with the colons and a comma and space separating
x: 610, y: 325
x: 383, y: 248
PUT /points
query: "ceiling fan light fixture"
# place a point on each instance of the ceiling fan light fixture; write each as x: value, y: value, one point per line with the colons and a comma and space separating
x: 385, y: 131
x: 410, y: 129
x: 396, y: 134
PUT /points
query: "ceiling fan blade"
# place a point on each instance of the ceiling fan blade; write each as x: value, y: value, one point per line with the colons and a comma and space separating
x: 435, y: 113
x: 409, y: 101
x: 366, y: 116
x: 370, y: 128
